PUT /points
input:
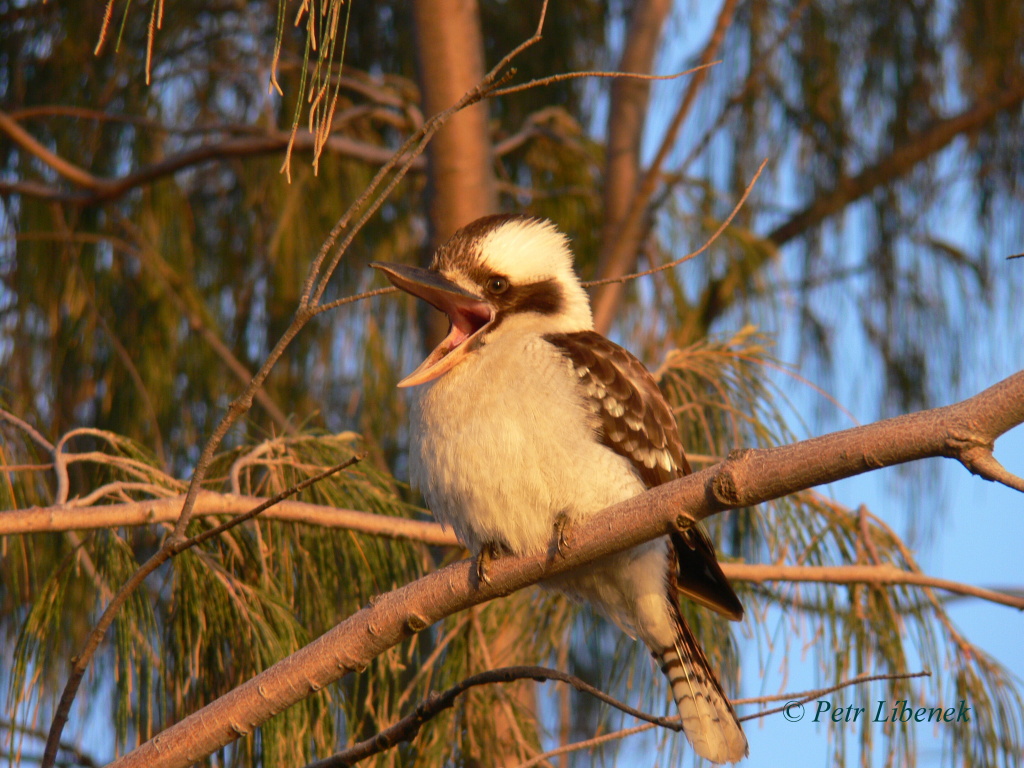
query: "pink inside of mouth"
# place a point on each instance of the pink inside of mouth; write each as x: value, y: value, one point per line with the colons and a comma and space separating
x: 465, y: 322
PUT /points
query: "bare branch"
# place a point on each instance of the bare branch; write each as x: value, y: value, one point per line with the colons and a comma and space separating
x: 351, y: 299
x: 408, y: 727
x: 746, y: 478
x: 68, y: 170
x: 885, y: 573
x: 68, y: 517
x: 792, y: 699
x: 28, y: 429
x: 542, y: 81
x: 105, y: 190
x: 620, y: 251
x: 707, y: 244
x: 980, y: 461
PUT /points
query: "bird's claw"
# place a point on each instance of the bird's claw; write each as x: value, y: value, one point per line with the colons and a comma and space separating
x: 488, y: 552
x: 561, y: 526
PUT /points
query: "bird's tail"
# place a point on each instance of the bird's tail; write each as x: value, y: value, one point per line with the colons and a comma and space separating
x: 708, y: 718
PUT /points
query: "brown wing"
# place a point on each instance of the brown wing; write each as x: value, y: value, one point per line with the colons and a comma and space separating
x: 637, y: 423
x: 635, y: 419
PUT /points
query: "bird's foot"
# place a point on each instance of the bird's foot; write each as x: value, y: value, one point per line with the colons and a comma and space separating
x: 562, y: 525
x: 487, y: 554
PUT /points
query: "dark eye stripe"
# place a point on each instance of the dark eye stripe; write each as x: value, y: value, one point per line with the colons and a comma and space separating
x: 544, y: 298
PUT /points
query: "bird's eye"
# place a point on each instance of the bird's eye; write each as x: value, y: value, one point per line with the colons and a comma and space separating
x: 497, y: 285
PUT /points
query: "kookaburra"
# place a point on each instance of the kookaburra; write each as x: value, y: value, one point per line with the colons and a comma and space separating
x: 528, y: 420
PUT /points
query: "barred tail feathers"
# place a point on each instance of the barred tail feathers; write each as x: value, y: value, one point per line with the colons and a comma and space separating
x: 708, y: 719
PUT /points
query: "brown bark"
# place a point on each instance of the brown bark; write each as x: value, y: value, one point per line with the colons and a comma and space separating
x: 965, y: 431
x: 460, y: 158
x: 460, y: 164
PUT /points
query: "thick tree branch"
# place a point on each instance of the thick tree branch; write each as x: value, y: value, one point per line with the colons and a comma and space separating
x: 70, y: 517
x: 67, y: 517
x: 744, y: 479
x: 864, y: 574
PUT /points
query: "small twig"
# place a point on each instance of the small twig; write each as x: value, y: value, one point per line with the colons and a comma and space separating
x: 979, y: 461
x: 77, y: 756
x: 351, y: 299
x: 542, y: 81
x: 807, y: 696
x: 408, y: 727
x: 181, y: 546
x: 28, y: 429
x: 794, y: 699
x: 694, y: 254
x: 25, y: 467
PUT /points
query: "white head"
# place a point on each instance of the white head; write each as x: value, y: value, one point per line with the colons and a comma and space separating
x: 498, y: 274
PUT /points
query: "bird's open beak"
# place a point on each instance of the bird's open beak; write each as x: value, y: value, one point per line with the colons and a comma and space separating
x: 468, y: 315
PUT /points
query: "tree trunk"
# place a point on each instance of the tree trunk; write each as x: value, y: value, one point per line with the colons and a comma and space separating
x: 460, y: 158
x: 460, y: 174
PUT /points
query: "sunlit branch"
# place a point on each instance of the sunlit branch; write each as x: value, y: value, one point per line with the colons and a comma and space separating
x: 542, y: 81
x: 885, y: 573
x: 744, y: 479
